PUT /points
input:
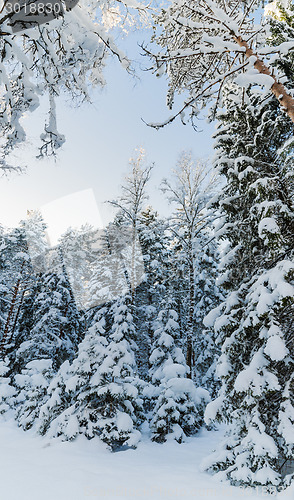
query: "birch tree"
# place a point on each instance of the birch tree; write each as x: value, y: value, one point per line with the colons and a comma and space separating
x: 130, y: 204
x: 189, y: 192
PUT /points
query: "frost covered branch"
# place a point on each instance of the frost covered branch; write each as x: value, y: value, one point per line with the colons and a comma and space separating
x: 208, y: 43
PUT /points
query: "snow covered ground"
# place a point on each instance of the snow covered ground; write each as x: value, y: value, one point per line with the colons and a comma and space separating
x: 33, y: 468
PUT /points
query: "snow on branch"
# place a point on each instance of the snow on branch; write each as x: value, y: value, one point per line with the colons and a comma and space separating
x: 68, y: 54
x: 208, y: 43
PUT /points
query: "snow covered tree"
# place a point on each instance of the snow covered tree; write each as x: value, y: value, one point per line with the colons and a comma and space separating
x: 208, y: 43
x: 119, y: 403
x: 50, y: 325
x: 207, y: 297
x: 23, y: 256
x: 69, y: 408
x: 31, y: 386
x: 97, y: 395
x: 164, y: 349
x: 108, y: 280
x: 256, y: 369
x: 179, y: 408
x: 67, y: 54
x: 130, y: 204
x: 154, y: 243
x: 155, y: 247
x: 254, y: 324
x: 189, y: 192
x: 78, y: 254
x: 16, y: 278
x: 7, y: 391
x: 4, y: 288
x: 34, y: 228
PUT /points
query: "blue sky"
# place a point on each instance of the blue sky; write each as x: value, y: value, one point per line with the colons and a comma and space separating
x: 100, y: 138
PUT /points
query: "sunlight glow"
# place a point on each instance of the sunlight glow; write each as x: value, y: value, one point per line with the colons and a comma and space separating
x: 73, y: 210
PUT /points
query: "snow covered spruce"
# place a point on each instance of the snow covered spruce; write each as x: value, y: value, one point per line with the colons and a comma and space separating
x: 7, y: 391
x: 254, y: 325
x: 179, y: 407
x: 97, y: 395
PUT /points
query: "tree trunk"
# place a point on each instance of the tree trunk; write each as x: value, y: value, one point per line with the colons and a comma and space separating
x: 133, y: 265
x: 190, y: 318
x: 17, y: 314
x: 286, y: 100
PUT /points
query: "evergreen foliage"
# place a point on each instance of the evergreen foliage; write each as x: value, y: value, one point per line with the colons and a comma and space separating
x: 97, y: 394
x: 50, y: 320
x: 7, y: 391
x: 31, y: 386
x: 252, y: 325
x: 179, y: 407
x: 207, y: 296
x: 154, y: 245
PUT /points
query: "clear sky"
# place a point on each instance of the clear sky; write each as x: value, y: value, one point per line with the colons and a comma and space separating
x: 100, y: 138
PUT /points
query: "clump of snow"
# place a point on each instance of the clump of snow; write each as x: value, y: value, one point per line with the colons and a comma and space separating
x: 275, y: 348
x: 267, y: 225
x: 212, y: 410
x: 272, y: 9
x: 256, y: 376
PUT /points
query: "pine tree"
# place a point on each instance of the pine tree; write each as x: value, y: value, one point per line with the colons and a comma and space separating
x: 50, y: 326
x: 108, y: 279
x: 207, y: 296
x: 16, y: 276
x: 32, y: 384
x: 7, y: 391
x: 130, y: 205
x: 70, y: 408
x: 97, y: 395
x: 4, y: 289
x: 179, y: 407
x: 34, y: 229
x: 23, y: 257
x: 254, y: 323
x: 79, y: 253
x: 154, y: 245
x: 120, y: 406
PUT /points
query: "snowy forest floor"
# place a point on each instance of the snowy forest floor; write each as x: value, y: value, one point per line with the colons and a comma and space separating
x: 34, y: 468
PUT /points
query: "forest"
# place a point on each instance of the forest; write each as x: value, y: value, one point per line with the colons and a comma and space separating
x: 162, y: 326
